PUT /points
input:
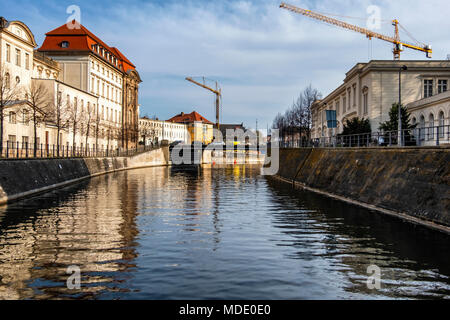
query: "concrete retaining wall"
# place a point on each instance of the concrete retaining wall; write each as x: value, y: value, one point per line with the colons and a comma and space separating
x: 22, y: 178
x: 411, y: 182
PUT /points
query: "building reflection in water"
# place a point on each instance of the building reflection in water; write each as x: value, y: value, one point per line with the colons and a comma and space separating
x: 90, y: 225
x: 218, y: 233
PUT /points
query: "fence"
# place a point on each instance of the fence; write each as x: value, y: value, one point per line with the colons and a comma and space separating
x: 429, y: 136
x: 24, y: 150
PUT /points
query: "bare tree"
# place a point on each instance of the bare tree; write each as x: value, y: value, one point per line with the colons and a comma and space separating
x: 97, y: 122
x: 297, y: 120
x: 310, y: 95
x: 41, y: 107
x: 60, y: 119
x: 89, y: 118
x: 146, y: 132
x: 9, y: 93
x: 75, y: 118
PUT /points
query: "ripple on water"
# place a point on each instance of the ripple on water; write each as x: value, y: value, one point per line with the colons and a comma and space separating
x: 222, y: 234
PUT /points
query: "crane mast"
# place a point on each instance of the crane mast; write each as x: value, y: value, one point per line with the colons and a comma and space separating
x: 398, y: 44
x: 217, y: 92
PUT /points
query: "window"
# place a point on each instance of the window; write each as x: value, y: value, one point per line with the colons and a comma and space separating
x: 428, y: 88
x: 25, y: 141
x: 12, y: 117
x: 93, y: 85
x: 25, y: 117
x: 18, y: 57
x: 442, y: 86
x: 12, y: 141
x: 337, y: 107
x: 344, y: 104
x: 17, y: 80
x: 27, y: 61
x: 65, y: 44
x: 441, y: 124
x: 354, y: 95
x: 7, y: 81
x: 8, y: 53
x: 365, y: 102
x: 349, y: 98
x: 98, y: 87
x: 431, y: 127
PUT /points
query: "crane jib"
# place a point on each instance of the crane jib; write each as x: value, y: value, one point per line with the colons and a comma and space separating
x: 370, y: 34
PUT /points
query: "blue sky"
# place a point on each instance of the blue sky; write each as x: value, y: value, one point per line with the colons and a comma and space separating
x: 262, y: 56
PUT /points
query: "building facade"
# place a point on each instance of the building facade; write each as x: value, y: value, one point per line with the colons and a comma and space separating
x: 432, y: 117
x: 153, y: 131
x: 82, y: 105
x: 370, y: 89
x: 89, y: 64
x: 200, y: 129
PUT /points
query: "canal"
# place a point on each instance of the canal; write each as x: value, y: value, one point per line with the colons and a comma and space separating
x: 220, y: 234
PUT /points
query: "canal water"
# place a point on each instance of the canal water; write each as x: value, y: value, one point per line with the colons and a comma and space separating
x: 218, y: 234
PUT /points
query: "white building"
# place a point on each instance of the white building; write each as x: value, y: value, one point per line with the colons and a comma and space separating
x: 154, y: 131
x: 370, y: 89
x: 432, y: 116
x: 87, y: 89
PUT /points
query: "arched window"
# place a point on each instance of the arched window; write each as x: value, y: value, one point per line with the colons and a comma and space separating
x: 17, y: 80
x: 422, y: 127
x: 25, y: 117
x: 12, y: 117
x: 7, y: 81
x: 431, y: 127
x: 441, y: 124
x: 365, y: 100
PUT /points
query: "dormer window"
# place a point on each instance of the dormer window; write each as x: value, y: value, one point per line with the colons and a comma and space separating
x: 65, y: 44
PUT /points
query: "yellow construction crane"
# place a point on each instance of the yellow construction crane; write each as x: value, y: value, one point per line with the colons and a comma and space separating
x: 398, y: 44
x: 217, y: 92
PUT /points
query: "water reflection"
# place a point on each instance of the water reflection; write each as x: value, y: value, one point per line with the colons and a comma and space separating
x: 214, y: 234
x: 91, y: 225
x: 412, y: 258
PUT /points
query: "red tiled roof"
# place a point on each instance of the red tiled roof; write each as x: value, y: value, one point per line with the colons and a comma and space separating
x: 82, y: 40
x: 189, y: 118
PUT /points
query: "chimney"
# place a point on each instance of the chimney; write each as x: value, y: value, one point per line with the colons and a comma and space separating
x: 182, y: 114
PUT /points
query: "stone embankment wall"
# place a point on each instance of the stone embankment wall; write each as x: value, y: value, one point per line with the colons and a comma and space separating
x: 22, y: 178
x: 411, y: 183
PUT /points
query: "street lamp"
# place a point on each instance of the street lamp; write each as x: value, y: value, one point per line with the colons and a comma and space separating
x: 400, y: 135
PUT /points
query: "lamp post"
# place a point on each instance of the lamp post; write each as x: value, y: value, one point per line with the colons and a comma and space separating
x: 400, y: 135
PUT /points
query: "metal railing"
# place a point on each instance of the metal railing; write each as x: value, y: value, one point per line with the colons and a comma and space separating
x: 25, y: 150
x: 420, y: 137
